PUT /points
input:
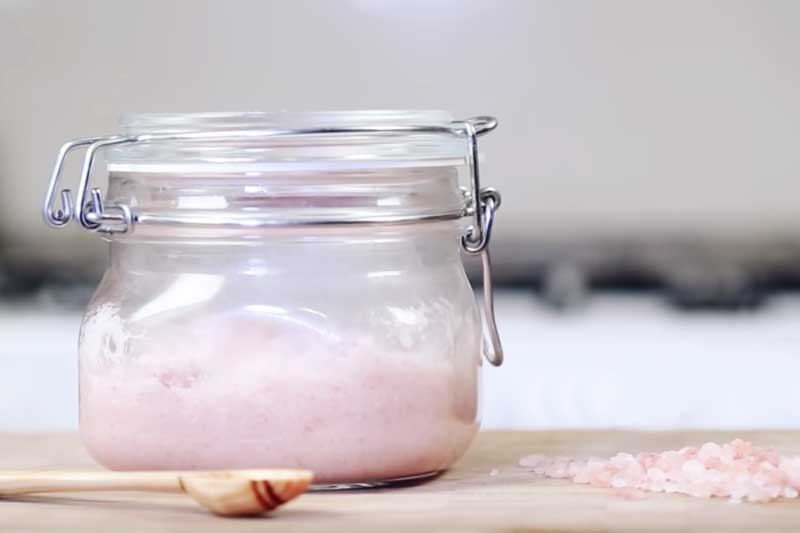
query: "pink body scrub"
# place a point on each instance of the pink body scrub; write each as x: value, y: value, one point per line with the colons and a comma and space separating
x: 231, y: 392
x: 736, y: 470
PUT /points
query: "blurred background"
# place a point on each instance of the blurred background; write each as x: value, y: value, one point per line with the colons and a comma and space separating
x: 648, y: 247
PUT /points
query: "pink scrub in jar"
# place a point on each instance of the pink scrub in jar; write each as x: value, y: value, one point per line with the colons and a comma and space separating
x: 285, y: 290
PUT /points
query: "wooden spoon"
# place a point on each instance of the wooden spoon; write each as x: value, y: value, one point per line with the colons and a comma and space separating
x: 223, y: 492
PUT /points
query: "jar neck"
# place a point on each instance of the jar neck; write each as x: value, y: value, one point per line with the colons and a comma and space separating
x: 417, y: 246
x: 181, y: 203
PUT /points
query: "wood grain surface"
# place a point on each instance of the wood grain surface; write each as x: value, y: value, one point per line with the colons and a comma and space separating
x: 468, y: 498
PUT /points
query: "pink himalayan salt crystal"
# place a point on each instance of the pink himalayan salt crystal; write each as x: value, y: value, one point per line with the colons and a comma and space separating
x: 736, y: 470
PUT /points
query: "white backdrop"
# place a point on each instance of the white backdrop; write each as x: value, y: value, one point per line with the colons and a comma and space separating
x: 617, y: 117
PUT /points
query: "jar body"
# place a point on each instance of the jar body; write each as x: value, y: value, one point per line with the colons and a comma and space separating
x: 348, y: 351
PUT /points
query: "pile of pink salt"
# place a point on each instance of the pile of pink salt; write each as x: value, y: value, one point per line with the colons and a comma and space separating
x: 736, y: 470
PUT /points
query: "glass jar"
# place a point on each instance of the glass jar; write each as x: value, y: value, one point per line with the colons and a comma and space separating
x: 284, y: 290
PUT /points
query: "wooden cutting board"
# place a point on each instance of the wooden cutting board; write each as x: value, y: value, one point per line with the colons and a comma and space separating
x: 484, y: 492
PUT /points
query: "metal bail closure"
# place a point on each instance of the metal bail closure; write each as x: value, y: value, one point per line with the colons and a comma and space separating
x: 60, y: 217
x: 484, y: 202
x: 91, y: 214
x: 492, y: 347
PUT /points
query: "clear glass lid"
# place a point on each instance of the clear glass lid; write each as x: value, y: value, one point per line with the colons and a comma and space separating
x: 329, y: 139
x: 135, y: 123
x: 289, y: 168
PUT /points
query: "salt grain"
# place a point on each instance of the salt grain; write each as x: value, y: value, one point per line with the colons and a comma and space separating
x: 693, y: 470
x: 736, y: 470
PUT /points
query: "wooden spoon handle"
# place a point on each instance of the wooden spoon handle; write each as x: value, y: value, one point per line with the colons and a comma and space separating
x: 227, y: 493
x: 26, y: 482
